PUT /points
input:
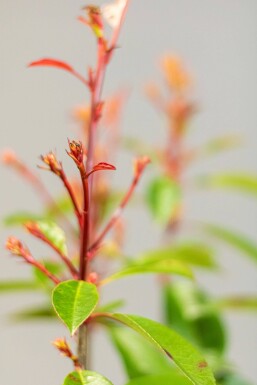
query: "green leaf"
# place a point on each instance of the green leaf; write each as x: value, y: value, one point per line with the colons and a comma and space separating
x: 233, y: 379
x: 54, y: 268
x: 74, y: 301
x: 190, y: 312
x: 193, y: 253
x: 219, y: 144
x: 236, y: 181
x: 84, y: 378
x: 164, y: 379
x: 237, y: 303
x: 54, y: 233
x: 234, y: 239
x: 34, y: 314
x: 185, y: 356
x: 163, y: 197
x: 62, y: 204
x: 20, y: 218
x: 132, y: 347
x: 19, y: 285
x: 166, y: 266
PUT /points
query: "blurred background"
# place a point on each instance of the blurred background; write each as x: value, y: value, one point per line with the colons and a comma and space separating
x: 217, y: 43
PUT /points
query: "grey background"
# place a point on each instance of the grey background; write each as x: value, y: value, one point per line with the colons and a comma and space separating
x: 217, y: 40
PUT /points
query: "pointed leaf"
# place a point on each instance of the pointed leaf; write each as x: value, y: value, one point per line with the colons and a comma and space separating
x: 20, y: 218
x: 163, y: 197
x: 104, y: 166
x: 241, y: 182
x: 132, y: 347
x: 193, y: 253
x: 168, y: 266
x: 185, y: 356
x: 74, y: 301
x: 161, y: 379
x: 86, y: 378
x: 49, y: 62
x: 234, y: 239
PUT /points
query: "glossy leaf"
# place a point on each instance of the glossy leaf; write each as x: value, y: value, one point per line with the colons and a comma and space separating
x: 163, y: 197
x: 193, y: 253
x: 54, y: 234
x: 20, y: 218
x: 167, y: 266
x: 18, y: 286
x: 74, y: 301
x: 184, y: 355
x: 85, y: 378
x: 48, y: 62
x: 190, y: 312
x: 236, y: 181
x: 161, y: 379
x: 234, y: 239
x: 132, y: 347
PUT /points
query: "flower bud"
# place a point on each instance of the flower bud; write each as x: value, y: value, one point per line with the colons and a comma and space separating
x: 15, y: 246
x: 76, y: 152
x: 52, y: 163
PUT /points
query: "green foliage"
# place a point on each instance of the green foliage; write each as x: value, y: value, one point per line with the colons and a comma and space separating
x: 18, y: 286
x: 165, y: 266
x: 234, y: 239
x: 193, y: 253
x: 54, y: 268
x: 188, y: 311
x: 18, y: 219
x: 54, y: 234
x: 36, y: 313
x: 240, y: 182
x: 238, y: 303
x: 85, y: 378
x: 74, y: 301
x: 163, y: 197
x: 161, y: 379
x: 184, y: 355
x: 132, y: 347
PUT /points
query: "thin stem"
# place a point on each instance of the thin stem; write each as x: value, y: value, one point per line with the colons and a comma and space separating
x: 85, y: 228
x: 72, y: 197
x: 42, y: 268
x: 82, y: 345
x: 116, y: 215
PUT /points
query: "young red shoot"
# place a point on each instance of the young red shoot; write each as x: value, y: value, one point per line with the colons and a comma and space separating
x: 16, y: 247
x: 65, y: 350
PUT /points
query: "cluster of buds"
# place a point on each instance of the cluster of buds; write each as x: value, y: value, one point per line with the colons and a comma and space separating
x: 76, y: 153
x: 94, y: 20
x: 65, y: 350
x: 16, y: 247
x: 52, y: 163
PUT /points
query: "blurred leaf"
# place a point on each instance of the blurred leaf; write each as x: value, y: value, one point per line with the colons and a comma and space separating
x: 237, y: 303
x: 183, y: 354
x: 220, y: 144
x: 20, y: 218
x: 74, y: 301
x: 193, y: 253
x: 54, y: 268
x: 161, y: 379
x: 239, y: 181
x: 168, y: 266
x: 85, y: 377
x: 19, y: 285
x: 111, y: 306
x: 232, y: 379
x: 190, y: 312
x: 132, y: 347
x: 163, y: 197
x: 234, y: 239
x: 54, y: 234
x: 62, y: 204
x: 140, y: 148
x: 34, y: 314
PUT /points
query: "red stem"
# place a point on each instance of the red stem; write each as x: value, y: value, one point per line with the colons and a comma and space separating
x: 85, y: 228
x: 72, y: 196
x: 116, y: 215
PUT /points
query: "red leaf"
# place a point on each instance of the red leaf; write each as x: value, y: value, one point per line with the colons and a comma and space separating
x: 103, y: 166
x: 47, y: 62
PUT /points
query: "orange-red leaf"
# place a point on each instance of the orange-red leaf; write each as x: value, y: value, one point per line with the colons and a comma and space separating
x: 47, y: 62
x: 104, y: 166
